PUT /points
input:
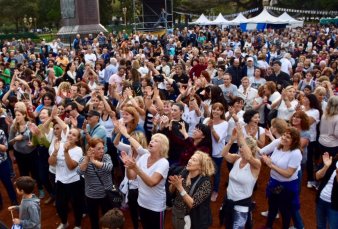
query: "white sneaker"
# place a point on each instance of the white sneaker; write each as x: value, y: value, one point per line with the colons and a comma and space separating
x: 309, y: 184
x: 62, y: 226
x: 265, y: 214
x: 77, y: 227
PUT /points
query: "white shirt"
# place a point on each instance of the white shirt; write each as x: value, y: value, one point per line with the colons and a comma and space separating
x: 51, y: 136
x: 232, y: 123
x: 285, y: 160
x: 286, y: 65
x: 191, y: 118
x: 62, y: 173
x: 241, y: 184
x: 286, y: 113
x: 249, y: 95
x: 90, y: 58
x: 326, y: 193
x: 314, y: 113
x: 221, y: 130
x: 152, y: 198
x: 126, y: 183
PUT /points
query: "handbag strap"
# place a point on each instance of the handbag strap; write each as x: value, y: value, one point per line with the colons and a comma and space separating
x: 194, y: 186
x: 97, y: 175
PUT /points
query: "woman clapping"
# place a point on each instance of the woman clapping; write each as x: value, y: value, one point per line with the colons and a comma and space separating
x: 151, y: 170
x: 96, y: 167
x: 193, y: 191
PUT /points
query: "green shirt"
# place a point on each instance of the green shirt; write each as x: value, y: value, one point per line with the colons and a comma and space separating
x: 6, y: 76
x: 41, y: 140
x: 58, y: 71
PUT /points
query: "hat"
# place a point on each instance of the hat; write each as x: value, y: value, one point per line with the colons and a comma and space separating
x: 93, y: 113
x: 250, y: 59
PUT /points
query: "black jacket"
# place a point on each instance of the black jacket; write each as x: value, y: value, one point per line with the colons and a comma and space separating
x: 236, y: 74
x: 282, y: 80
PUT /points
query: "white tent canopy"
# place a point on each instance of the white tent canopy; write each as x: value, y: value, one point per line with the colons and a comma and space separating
x: 238, y: 20
x: 202, y: 20
x: 220, y: 20
x: 293, y: 22
x: 266, y: 17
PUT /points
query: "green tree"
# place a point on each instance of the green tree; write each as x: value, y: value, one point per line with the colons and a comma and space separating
x: 49, y: 13
x: 15, y: 10
x: 106, y: 11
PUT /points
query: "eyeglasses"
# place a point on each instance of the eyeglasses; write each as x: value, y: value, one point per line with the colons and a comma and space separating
x: 67, y: 111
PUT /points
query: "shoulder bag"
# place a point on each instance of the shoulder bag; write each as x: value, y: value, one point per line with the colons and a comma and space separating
x: 113, y: 195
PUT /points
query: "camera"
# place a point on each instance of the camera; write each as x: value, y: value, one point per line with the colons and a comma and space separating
x: 158, y: 78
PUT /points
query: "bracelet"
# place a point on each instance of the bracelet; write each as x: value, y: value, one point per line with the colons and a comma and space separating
x: 183, y: 193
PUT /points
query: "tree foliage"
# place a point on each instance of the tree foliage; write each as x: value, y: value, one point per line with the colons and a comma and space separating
x: 15, y: 10
x: 106, y: 11
x: 49, y: 13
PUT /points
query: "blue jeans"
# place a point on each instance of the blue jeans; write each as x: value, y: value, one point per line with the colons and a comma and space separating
x: 296, y: 217
x: 218, y: 163
x: 326, y: 215
x: 240, y: 219
x: 5, y: 177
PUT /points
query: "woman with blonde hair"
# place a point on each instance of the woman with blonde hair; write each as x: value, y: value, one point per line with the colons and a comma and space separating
x: 193, y: 191
x: 328, y: 138
x: 286, y: 104
x: 320, y: 93
x: 62, y: 92
x: 151, y: 171
x: 242, y: 179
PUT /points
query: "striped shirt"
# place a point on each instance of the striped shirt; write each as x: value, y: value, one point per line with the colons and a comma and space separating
x: 93, y: 186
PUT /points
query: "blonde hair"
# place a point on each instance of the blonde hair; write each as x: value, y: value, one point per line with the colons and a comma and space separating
x: 320, y: 91
x: 207, y: 165
x: 332, y: 107
x: 252, y: 144
x: 140, y: 138
x: 21, y: 106
x: 63, y: 86
x: 164, y: 142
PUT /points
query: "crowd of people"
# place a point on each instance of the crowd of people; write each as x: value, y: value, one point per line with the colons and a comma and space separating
x: 157, y: 115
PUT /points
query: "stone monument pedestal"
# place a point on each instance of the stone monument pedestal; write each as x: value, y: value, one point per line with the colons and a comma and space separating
x: 80, y: 16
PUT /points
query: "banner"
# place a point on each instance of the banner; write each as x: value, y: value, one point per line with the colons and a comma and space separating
x: 312, y: 12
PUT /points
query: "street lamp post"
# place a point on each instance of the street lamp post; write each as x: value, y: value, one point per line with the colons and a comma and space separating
x: 124, y: 11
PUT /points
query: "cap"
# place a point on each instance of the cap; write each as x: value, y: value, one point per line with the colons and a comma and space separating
x: 249, y: 59
x: 93, y: 113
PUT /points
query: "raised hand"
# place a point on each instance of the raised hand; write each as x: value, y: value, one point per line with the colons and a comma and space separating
x: 327, y: 159
x: 73, y: 121
x: 210, y: 123
x: 55, y: 111
x: 123, y: 130
x: 182, y: 129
